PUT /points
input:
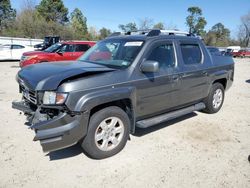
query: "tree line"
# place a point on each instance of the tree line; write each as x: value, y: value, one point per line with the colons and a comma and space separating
x: 51, y: 17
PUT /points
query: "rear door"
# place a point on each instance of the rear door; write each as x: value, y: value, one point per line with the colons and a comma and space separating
x: 194, y: 74
x: 80, y: 49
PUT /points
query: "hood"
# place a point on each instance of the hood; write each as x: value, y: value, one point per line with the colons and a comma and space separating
x: 34, y: 53
x: 48, y: 76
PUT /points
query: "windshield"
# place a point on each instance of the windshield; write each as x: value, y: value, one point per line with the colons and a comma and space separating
x: 113, y: 53
x: 53, y: 48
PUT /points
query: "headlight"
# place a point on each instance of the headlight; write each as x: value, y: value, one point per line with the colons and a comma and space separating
x: 24, y: 58
x: 51, y: 97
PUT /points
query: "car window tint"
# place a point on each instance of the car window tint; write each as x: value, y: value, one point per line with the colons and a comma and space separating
x: 191, y: 53
x: 67, y: 48
x: 81, y: 47
x: 164, y: 55
x: 17, y: 46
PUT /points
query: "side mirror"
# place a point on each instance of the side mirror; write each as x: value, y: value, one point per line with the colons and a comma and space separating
x: 150, y: 66
x: 59, y: 52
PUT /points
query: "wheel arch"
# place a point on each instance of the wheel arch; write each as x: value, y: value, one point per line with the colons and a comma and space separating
x: 120, y: 97
x: 222, y: 81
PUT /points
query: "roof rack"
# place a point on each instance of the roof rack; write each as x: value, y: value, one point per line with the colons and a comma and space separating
x: 153, y: 32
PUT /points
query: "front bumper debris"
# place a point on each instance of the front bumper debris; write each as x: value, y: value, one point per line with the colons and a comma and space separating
x: 55, y: 133
x: 22, y: 106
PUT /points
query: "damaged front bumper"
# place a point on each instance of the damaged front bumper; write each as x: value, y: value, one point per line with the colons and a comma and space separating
x: 61, y: 131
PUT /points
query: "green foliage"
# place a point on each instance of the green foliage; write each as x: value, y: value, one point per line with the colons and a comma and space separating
x: 79, y: 24
x: 104, y: 32
x: 219, y: 35
x: 53, y: 10
x: 128, y: 27
x: 195, y: 21
x: 7, y: 14
x: 50, y: 17
x: 159, y: 25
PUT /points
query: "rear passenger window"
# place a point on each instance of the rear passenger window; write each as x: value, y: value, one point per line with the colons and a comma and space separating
x: 81, y: 47
x: 17, y: 47
x: 191, y: 54
x: 164, y: 55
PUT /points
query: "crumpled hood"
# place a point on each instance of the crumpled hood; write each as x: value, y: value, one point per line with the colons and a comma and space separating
x: 48, y: 76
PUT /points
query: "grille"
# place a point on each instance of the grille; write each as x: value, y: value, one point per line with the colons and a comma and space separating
x: 28, y: 93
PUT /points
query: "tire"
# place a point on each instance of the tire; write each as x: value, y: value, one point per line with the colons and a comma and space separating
x: 215, y: 99
x: 112, y: 136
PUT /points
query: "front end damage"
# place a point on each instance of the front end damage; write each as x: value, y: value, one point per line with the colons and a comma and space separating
x: 55, y: 127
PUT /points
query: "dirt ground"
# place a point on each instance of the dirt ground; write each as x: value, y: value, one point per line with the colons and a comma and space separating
x: 198, y: 150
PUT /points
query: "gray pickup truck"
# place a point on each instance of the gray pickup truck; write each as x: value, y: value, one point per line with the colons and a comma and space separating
x: 136, y: 79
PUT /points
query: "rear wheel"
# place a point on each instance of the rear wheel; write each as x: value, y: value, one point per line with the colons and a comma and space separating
x: 107, y: 134
x: 215, y: 99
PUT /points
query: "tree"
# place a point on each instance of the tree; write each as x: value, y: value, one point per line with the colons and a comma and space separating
x: 222, y: 34
x: 146, y: 23
x: 92, y: 34
x: 7, y: 14
x: 159, y: 25
x: 195, y: 21
x: 219, y: 35
x: 128, y: 27
x: 79, y: 24
x: 104, y: 32
x: 244, y: 30
x: 53, y: 11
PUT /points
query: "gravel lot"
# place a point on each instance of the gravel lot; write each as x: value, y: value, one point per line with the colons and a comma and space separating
x: 198, y: 150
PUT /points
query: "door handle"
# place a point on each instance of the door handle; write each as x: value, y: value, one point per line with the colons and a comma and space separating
x: 175, y: 78
x: 204, y: 73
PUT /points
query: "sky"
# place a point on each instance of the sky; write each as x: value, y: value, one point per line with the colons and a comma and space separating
x: 111, y: 13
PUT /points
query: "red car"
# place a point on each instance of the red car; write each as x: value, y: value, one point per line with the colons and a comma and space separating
x: 241, y: 53
x: 62, y: 51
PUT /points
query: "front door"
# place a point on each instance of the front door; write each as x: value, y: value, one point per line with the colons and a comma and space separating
x: 65, y: 53
x: 155, y: 91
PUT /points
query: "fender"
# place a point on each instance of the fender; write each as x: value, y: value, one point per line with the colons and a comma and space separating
x: 93, y: 99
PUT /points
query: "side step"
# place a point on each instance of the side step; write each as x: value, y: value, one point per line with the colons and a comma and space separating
x: 168, y: 116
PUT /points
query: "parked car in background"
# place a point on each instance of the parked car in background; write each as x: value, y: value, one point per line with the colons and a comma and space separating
x: 62, y: 51
x: 214, y: 50
x: 241, y: 53
x: 48, y: 41
x: 13, y: 51
x: 233, y: 49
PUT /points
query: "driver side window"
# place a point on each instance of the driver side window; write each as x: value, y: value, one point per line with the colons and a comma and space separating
x: 164, y: 55
x: 67, y: 48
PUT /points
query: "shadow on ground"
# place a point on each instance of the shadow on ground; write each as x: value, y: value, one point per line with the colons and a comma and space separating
x: 14, y: 66
x: 77, y: 149
x: 141, y: 132
x: 65, y: 153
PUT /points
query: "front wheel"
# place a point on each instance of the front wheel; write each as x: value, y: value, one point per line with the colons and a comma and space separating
x: 215, y: 98
x: 108, y: 133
